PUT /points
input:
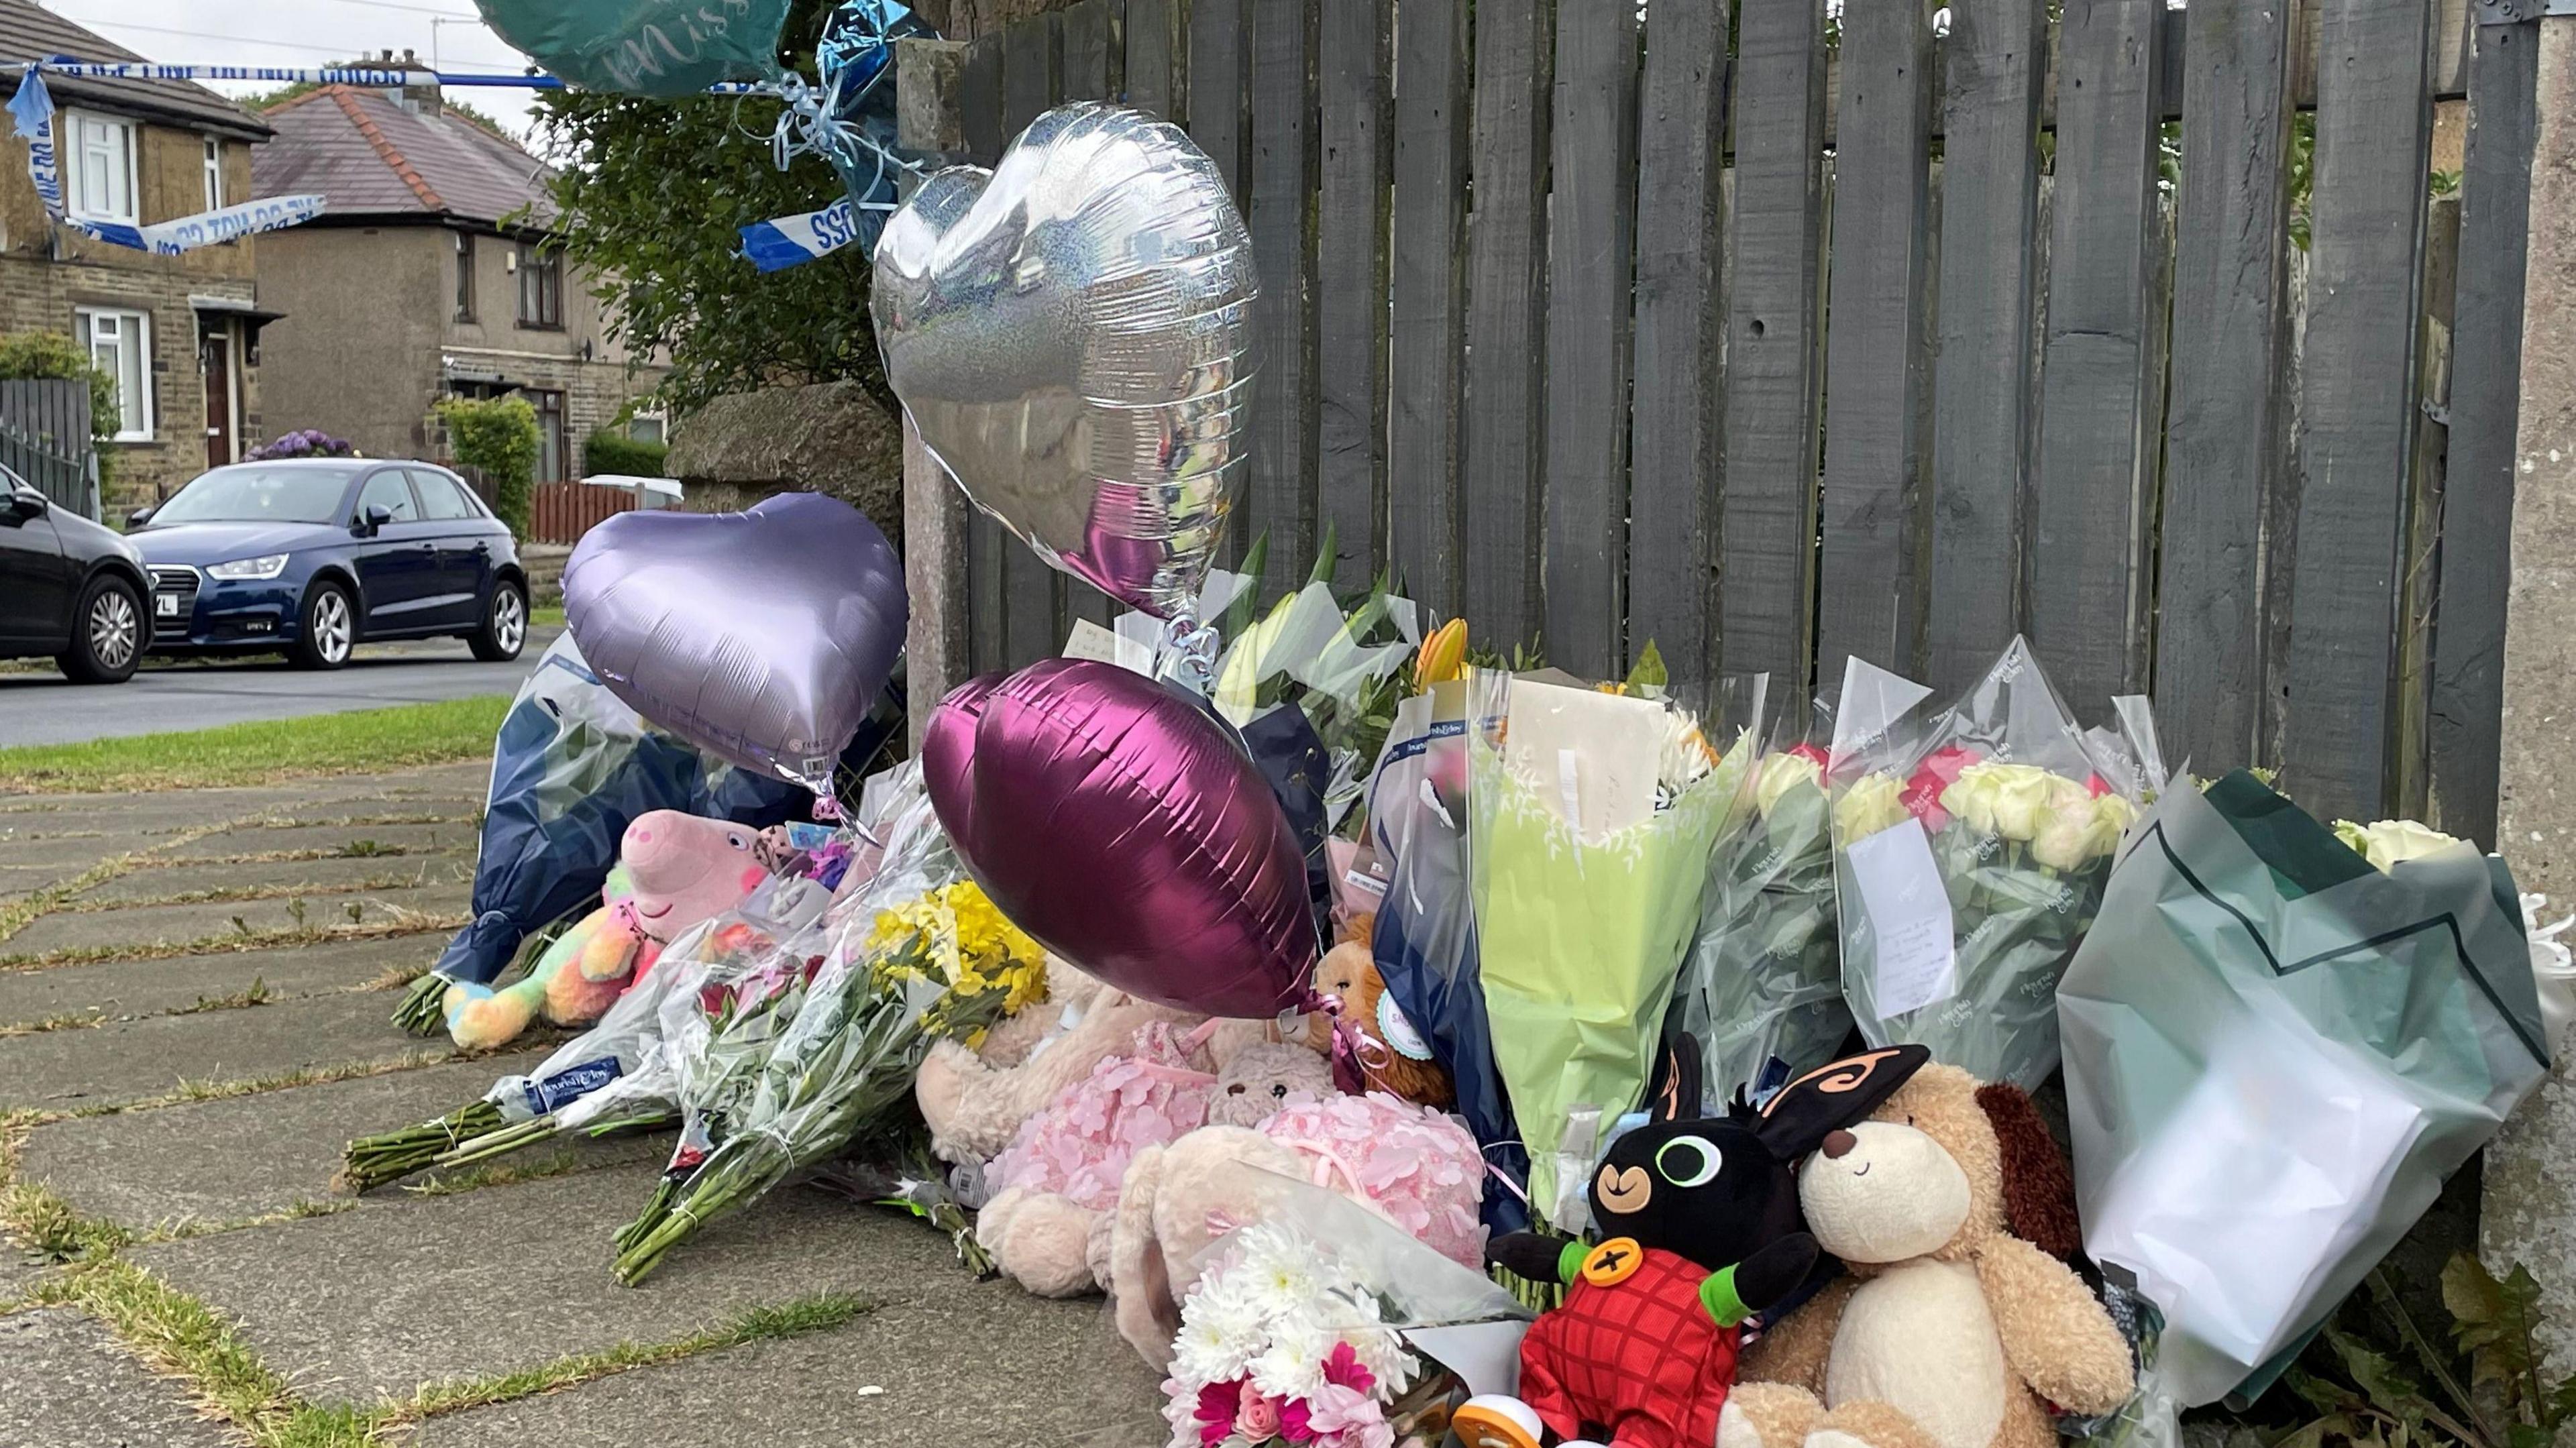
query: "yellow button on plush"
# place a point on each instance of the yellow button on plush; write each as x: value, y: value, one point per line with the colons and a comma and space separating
x: 1613, y: 1262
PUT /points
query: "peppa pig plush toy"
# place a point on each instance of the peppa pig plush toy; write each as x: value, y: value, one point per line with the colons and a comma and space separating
x: 674, y: 870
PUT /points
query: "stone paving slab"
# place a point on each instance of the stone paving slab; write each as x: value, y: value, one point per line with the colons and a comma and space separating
x: 66, y: 1382
x: 143, y: 925
x: 67, y: 855
x: 332, y: 875
x: 248, y: 1156
x: 128, y: 1061
x: 125, y: 988
x: 1019, y: 1371
x: 263, y: 839
x: 515, y: 1276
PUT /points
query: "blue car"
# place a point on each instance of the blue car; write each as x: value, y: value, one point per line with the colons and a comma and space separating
x: 310, y: 556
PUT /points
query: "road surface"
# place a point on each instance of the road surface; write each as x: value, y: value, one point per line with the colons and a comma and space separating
x: 42, y: 707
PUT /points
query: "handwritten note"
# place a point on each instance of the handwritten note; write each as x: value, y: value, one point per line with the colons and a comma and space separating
x: 1909, y: 914
x: 1090, y: 641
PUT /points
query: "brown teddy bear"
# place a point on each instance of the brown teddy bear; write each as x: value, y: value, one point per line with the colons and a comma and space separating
x: 1950, y: 1331
x: 1392, y: 1056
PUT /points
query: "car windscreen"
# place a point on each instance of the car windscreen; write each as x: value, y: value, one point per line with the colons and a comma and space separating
x: 252, y: 494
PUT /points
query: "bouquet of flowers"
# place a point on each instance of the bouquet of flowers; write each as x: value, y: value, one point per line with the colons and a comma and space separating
x: 2279, y: 1040
x: 615, y: 1077
x: 1594, y: 812
x: 797, y: 1072
x: 1762, y: 987
x: 1340, y: 663
x: 1970, y: 854
x: 1281, y: 1343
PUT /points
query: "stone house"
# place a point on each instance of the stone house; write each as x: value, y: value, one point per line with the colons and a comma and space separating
x: 425, y: 277
x: 181, y: 334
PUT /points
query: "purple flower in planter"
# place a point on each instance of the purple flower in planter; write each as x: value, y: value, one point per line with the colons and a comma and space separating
x: 310, y: 442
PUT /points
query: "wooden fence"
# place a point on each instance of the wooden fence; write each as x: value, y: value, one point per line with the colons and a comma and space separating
x: 1776, y: 335
x: 562, y: 512
x: 44, y: 438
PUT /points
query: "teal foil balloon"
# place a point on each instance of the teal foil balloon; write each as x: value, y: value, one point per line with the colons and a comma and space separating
x: 644, y: 47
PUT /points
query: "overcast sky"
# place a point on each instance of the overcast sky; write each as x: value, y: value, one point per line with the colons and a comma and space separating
x: 310, y: 33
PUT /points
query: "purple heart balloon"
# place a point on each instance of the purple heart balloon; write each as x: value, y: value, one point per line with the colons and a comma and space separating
x: 1123, y: 829
x: 763, y: 637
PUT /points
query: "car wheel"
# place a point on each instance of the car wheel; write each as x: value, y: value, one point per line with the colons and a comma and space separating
x: 107, y: 633
x: 330, y: 629
x: 505, y: 624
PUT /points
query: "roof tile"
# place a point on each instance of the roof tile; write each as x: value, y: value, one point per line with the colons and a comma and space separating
x: 371, y: 155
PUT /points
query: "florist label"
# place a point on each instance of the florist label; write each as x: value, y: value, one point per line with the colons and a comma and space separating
x: 571, y: 1084
x: 1909, y: 912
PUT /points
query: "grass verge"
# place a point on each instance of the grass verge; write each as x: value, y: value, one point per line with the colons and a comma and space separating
x: 261, y: 752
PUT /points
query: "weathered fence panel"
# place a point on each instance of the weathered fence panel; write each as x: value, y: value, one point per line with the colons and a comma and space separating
x: 1672, y: 406
x: 1994, y: 69
x: 2224, y: 427
x: 1785, y: 334
x: 1766, y: 570
x: 2358, y: 407
x: 2096, y: 450
x: 1874, y: 362
x: 2466, y: 696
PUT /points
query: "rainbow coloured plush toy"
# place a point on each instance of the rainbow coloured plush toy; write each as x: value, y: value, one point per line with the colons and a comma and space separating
x: 674, y: 871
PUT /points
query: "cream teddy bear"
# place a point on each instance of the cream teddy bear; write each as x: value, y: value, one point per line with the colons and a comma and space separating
x: 975, y: 1101
x: 1949, y: 1332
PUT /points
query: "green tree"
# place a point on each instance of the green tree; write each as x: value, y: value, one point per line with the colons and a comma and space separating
x: 653, y: 195
x: 499, y: 436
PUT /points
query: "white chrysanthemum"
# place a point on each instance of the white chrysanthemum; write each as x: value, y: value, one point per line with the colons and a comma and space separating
x: 1381, y: 1350
x: 1206, y: 1352
x: 1293, y: 1365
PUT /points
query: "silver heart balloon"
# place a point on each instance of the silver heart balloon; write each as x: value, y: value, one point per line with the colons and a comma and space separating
x: 1071, y: 332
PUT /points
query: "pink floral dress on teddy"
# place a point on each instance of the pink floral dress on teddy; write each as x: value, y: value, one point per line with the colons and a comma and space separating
x: 1079, y: 1147
x: 1417, y: 1168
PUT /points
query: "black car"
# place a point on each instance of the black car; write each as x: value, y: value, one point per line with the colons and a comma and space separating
x: 310, y: 556
x: 69, y: 589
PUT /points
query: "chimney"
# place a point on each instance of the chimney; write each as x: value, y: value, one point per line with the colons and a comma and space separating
x: 419, y: 92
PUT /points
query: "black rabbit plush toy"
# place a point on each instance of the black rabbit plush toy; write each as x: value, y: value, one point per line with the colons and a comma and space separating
x: 1702, y: 1230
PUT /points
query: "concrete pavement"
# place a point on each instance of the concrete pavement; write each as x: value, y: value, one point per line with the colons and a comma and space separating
x: 42, y: 707
x: 180, y: 1085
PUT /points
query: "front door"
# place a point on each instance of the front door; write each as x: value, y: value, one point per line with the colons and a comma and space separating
x: 220, y: 395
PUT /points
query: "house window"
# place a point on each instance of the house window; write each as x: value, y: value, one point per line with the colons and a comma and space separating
x: 98, y: 156
x: 540, y: 287
x: 121, y: 342
x: 464, y: 276
x: 214, y: 174
x: 551, y: 457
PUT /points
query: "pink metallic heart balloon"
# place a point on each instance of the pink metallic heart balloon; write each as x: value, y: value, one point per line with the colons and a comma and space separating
x: 1122, y: 828
x: 948, y: 757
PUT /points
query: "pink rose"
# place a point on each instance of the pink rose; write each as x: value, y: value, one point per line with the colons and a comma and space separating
x: 1256, y: 1419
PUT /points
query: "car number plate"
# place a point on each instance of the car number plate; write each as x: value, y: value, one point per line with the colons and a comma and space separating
x: 166, y: 606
